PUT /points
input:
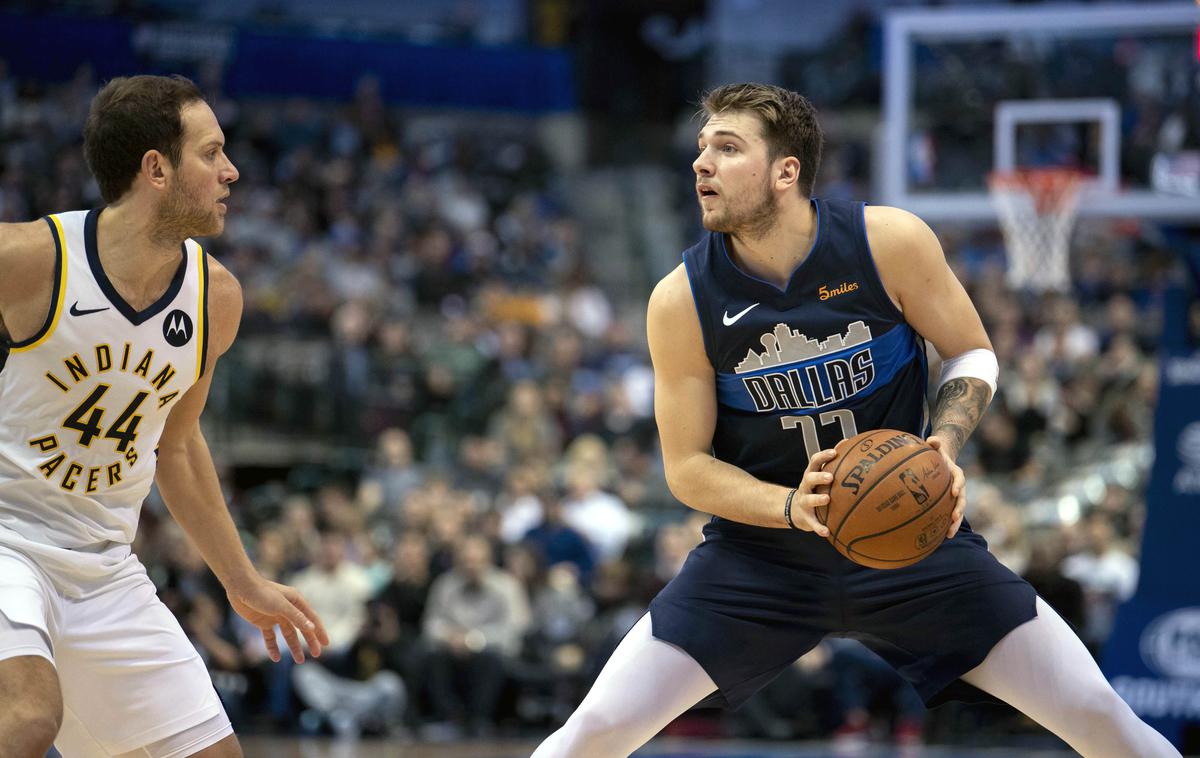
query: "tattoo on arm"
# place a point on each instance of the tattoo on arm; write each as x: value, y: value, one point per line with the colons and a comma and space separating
x: 959, y: 405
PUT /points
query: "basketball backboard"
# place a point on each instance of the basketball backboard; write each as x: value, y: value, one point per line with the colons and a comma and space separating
x: 1107, y: 89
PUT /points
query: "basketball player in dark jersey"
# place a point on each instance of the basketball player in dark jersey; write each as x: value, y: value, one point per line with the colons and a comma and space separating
x: 103, y: 310
x: 797, y: 322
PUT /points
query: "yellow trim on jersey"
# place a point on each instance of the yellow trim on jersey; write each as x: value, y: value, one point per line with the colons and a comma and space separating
x: 202, y: 286
x: 61, y: 251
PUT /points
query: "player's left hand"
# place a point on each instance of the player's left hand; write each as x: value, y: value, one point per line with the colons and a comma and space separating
x: 268, y: 604
x: 958, y: 486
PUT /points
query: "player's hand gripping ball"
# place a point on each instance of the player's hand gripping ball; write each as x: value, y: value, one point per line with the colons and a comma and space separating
x: 889, y: 502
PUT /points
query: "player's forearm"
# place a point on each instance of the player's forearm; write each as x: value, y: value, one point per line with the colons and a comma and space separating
x: 959, y: 405
x: 722, y: 489
x: 190, y: 488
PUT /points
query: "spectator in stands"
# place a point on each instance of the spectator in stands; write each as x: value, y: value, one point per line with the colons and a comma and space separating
x: 338, y: 590
x: 1065, y: 341
x: 524, y: 427
x: 556, y: 542
x: 391, y: 636
x: 600, y: 516
x: 391, y: 476
x: 395, y: 377
x: 1107, y: 572
x: 474, y: 622
x: 862, y: 678
x: 1045, y: 572
x: 519, y: 504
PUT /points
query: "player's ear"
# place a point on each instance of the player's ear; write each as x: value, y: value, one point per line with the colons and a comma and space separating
x: 155, y: 168
x: 787, y: 172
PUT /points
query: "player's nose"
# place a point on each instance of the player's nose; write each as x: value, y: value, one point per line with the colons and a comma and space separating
x: 702, y: 165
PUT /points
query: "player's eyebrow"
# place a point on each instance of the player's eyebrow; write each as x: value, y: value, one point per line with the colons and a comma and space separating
x: 721, y: 133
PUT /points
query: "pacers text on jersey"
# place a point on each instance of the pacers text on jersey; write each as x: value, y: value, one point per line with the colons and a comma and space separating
x: 88, y: 419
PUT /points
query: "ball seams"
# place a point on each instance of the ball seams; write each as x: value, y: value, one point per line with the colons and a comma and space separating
x: 936, y: 502
x: 834, y: 536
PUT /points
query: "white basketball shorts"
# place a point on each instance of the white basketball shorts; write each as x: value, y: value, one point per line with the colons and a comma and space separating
x: 129, y: 675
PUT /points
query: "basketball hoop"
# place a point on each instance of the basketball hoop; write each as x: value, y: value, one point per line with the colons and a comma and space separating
x: 1037, y: 210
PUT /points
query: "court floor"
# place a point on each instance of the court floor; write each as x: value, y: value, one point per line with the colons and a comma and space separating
x: 275, y: 747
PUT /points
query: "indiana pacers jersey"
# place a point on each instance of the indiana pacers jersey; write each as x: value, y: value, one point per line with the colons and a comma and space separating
x: 801, y: 368
x: 84, y: 401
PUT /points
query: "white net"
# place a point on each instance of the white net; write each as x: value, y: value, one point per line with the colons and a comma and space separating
x: 1037, y: 210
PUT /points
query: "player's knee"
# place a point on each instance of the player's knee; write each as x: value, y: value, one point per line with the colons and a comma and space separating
x: 1102, y: 704
x: 1099, y: 713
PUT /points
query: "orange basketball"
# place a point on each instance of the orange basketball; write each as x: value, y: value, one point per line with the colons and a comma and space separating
x: 889, y: 503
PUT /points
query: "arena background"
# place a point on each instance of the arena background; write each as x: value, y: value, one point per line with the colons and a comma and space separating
x: 449, y: 217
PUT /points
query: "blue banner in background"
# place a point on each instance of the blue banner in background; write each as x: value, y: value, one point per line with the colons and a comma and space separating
x: 1153, y: 655
x: 522, y: 79
x: 53, y: 48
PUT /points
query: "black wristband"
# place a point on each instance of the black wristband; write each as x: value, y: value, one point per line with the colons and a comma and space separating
x: 787, y: 508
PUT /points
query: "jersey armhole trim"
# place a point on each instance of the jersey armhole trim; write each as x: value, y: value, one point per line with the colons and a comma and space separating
x: 202, y: 312
x: 876, y: 281
x: 704, y: 332
x: 57, y: 295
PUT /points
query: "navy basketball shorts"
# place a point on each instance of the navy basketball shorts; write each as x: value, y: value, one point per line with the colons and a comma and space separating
x: 749, y: 601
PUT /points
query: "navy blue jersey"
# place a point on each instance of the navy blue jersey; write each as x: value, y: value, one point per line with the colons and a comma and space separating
x: 800, y: 369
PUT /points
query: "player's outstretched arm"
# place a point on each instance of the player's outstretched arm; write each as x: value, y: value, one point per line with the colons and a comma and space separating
x: 685, y: 407
x: 933, y: 301
x: 189, y: 486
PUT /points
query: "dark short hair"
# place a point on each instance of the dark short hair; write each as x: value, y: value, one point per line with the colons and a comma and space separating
x: 128, y: 117
x: 789, y: 122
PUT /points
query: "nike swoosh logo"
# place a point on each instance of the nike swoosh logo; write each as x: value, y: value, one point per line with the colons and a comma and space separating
x: 731, y: 320
x: 76, y: 312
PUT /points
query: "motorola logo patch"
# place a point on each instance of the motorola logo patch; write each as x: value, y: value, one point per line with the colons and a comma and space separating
x: 177, y: 328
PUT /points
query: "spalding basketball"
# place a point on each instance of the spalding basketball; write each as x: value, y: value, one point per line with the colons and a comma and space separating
x: 889, y: 502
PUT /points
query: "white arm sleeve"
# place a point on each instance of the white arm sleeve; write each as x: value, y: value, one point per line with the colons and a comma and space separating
x: 978, y: 364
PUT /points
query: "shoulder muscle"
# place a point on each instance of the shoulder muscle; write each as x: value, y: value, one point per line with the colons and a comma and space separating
x: 906, y: 251
x: 672, y: 325
x: 27, y: 281
x: 224, y: 306
x: 26, y: 257
x: 916, y: 275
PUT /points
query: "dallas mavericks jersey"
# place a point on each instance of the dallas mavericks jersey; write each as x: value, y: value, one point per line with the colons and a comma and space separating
x: 801, y: 368
x: 83, y: 403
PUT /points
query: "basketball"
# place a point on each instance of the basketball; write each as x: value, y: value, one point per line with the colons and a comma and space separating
x: 889, y: 502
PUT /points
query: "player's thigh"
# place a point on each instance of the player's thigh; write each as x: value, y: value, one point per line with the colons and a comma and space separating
x: 30, y: 697
x: 131, y: 678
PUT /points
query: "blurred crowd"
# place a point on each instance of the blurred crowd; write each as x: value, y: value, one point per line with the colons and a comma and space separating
x: 959, y: 84
x: 467, y: 485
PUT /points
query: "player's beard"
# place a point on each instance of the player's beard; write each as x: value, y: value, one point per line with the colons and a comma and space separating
x: 752, y: 221
x: 181, y: 215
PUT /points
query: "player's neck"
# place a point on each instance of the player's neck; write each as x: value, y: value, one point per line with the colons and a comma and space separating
x: 776, y: 253
x: 138, y: 265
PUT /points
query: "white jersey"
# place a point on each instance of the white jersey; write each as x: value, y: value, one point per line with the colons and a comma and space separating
x: 83, y: 404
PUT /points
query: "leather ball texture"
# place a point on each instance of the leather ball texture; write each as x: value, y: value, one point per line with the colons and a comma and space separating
x: 889, y: 502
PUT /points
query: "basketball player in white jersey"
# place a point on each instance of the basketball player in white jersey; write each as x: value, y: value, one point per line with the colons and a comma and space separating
x: 110, y: 323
